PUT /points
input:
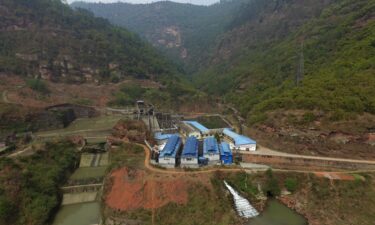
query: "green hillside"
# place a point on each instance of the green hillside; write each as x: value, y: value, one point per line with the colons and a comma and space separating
x: 49, y: 39
x: 251, y: 52
x: 184, y: 32
x: 260, y: 74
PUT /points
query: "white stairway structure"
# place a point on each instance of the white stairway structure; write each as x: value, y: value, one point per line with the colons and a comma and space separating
x: 243, y: 206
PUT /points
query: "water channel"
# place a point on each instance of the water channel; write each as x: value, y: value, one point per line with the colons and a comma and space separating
x: 277, y: 214
x: 80, y: 206
x: 79, y: 214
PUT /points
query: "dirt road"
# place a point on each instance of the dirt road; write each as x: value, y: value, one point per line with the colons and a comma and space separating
x: 212, y: 170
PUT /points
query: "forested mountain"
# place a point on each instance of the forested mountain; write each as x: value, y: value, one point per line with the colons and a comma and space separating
x: 310, y: 55
x: 47, y: 38
x: 263, y: 55
x: 181, y: 31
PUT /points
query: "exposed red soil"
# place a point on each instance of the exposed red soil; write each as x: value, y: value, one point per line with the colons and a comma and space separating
x: 335, y: 176
x: 134, y: 189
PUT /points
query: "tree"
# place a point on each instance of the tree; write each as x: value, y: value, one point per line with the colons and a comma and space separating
x: 291, y: 184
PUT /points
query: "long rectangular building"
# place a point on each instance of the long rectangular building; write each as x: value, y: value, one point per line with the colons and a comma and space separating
x: 189, y: 155
x: 211, y: 150
x: 168, y: 155
x: 238, y: 141
x: 194, y: 128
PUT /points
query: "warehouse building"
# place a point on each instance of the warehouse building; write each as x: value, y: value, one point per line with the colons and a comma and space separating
x: 189, y: 155
x: 161, y: 138
x: 167, y: 156
x: 239, y: 142
x: 211, y: 150
x: 193, y: 128
x: 226, y: 155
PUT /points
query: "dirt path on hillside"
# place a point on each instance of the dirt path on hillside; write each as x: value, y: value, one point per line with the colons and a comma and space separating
x: 261, y: 150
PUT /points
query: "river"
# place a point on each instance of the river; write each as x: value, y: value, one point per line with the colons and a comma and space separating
x: 278, y: 214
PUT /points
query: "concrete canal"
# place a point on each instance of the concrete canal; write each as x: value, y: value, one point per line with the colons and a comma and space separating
x: 277, y: 214
x: 79, y: 214
x: 80, y: 205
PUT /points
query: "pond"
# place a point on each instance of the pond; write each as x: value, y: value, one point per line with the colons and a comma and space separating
x: 278, y: 214
x: 78, y: 214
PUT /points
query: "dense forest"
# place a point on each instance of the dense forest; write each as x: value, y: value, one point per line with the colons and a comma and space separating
x: 48, y: 39
x: 262, y: 56
x: 325, y: 63
x: 29, y: 186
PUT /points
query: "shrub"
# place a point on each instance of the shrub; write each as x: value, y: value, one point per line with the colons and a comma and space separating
x: 291, y: 184
x: 38, y: 85
x: 309, y: 117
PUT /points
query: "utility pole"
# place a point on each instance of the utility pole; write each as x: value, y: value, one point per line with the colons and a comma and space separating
x: 301, y: 67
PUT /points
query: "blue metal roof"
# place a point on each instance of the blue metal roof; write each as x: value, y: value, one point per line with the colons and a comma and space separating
x: 191, y: 148
x: 170, y: 149
x: 224, y: 149
x: 210, y: 146
x: 237, y: 138
x: 197, y: 125
x: 159, y: 136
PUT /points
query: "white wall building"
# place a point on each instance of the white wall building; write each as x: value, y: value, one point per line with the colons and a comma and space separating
x: 239, y: 142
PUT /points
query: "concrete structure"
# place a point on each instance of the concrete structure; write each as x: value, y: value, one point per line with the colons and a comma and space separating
x: 193, y: 128
x: 211, y: 150
x: 167, y: 156
x: 189, y: 155
x: 239, y: 142
x: 226, y: 155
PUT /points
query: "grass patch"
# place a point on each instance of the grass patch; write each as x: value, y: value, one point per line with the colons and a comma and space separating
x: 129, y: 155
x: 96, y: 128
x: 84, y: 173
x: 212, y: 122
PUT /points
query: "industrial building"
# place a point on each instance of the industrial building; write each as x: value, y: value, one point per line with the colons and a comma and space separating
x: 161, y: 138
x: 193, y: 128
x: 238, y: 142
x: 226, y: 155
x: 189, y: 155
x: 167, y: 156
x: 211, y: 150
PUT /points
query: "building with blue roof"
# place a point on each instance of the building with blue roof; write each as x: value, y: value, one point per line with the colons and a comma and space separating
x: 168, y: 155
x: 194, y: 128
x: 238, y: 141
x: 211, y: 150
x: 189, y: 155
x: 161, y: 138
x: 226, y: 155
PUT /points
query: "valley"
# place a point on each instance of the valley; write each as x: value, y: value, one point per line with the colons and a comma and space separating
x: 174, y: 113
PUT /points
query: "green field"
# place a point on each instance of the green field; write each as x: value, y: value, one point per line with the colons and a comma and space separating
x: 212, y: 122
x: 94, y: 129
